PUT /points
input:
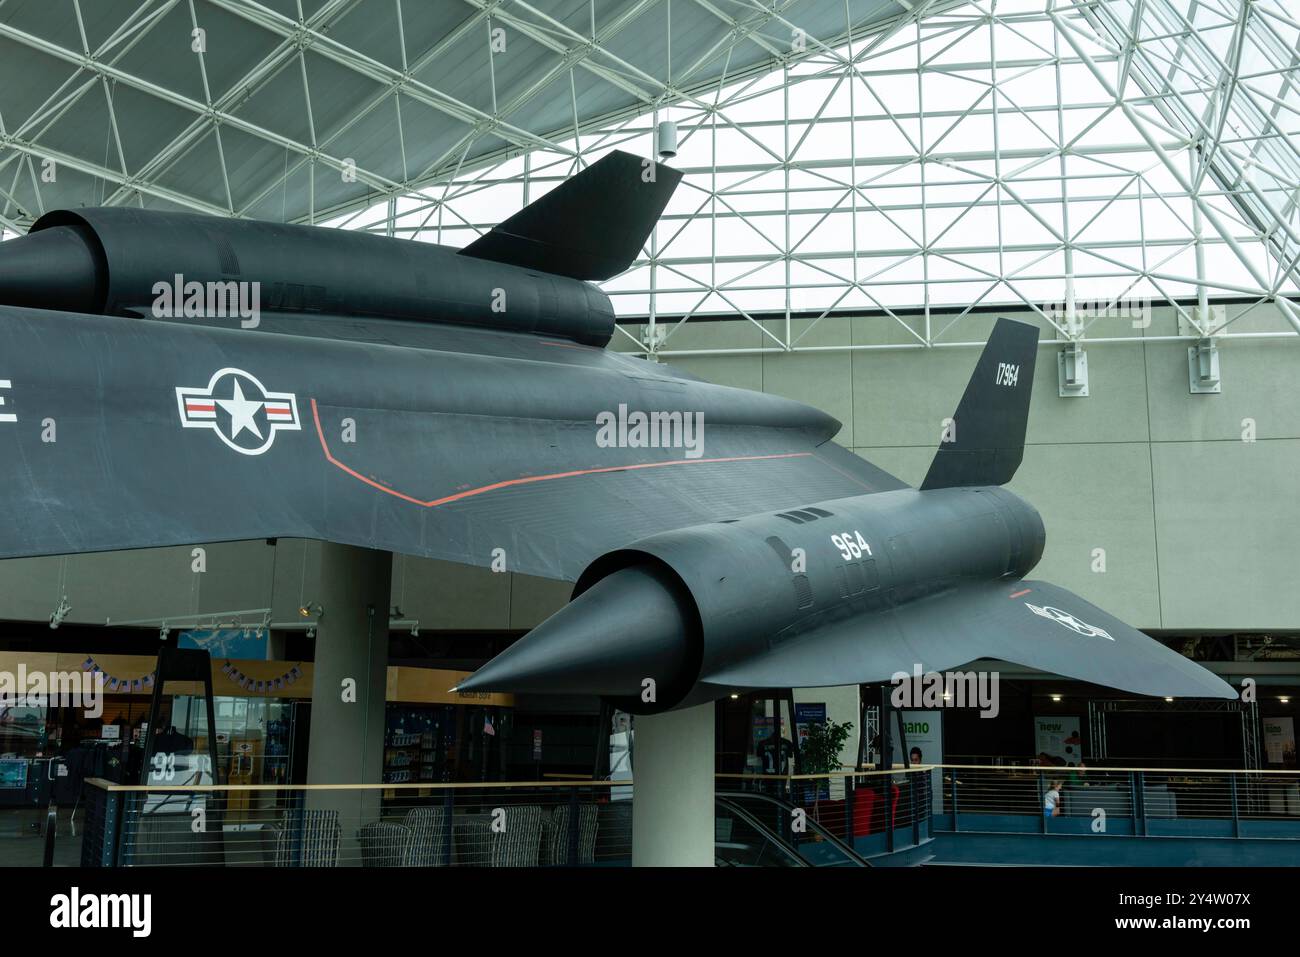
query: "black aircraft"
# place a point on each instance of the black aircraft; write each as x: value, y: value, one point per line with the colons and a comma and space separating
x: 173, y: 379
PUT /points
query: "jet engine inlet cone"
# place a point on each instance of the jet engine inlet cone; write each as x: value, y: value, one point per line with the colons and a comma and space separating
x: 629, y: 628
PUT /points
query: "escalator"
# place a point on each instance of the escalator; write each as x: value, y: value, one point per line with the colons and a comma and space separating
x: 752, y: 831
x: 741, y: 840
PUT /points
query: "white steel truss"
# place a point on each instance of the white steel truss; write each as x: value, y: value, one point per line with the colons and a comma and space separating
x: 345, y: 89
x: 1071, y: 157
x: 1077, y: 158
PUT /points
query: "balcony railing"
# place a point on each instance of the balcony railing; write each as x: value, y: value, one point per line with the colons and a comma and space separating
x: 821, y: 820
x: 406, y: 825
x: 1164, y: 802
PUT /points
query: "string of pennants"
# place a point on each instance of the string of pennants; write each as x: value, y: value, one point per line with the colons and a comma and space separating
x: 146, y: 682
x: 260, y: 685
x: 112, y: 683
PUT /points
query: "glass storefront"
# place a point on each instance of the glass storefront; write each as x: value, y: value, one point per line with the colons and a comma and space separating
x: 254, y: 735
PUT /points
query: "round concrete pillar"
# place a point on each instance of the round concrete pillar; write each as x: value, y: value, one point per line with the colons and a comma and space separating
x: 672, y: 789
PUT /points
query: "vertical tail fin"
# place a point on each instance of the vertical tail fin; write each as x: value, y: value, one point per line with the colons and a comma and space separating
x: 986, y: 441
x: 592, y: 226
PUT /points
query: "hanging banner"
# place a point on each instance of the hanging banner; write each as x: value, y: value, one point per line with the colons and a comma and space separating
x: 1279, y: 741
x: 925, y: 746
x: 620, y: 755
x: 250, y: 644
x: 1057, y: 740
x: 806, y: 715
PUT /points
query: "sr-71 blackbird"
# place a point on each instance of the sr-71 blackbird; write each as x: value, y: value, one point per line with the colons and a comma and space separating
x: 462, y: 405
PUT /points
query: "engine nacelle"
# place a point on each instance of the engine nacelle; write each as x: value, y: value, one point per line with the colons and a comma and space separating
x: 112, y: 260
x: 744, y: 586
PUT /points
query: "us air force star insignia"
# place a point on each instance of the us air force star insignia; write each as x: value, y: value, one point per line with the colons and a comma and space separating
x: 239, y: 409
x: 1069, y: 621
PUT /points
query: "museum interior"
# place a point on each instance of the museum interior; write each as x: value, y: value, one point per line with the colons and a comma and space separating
x: 853, y: 202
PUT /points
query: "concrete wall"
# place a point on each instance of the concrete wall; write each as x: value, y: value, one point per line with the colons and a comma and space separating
x: 1198, y: 527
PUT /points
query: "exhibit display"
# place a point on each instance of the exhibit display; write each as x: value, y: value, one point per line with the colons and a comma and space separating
x: 598, y: 434
x: 774, y: 557
x: 848, y: 590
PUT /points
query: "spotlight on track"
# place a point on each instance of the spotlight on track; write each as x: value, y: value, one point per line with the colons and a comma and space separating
x: 311, y: 609
x: 60, y: 612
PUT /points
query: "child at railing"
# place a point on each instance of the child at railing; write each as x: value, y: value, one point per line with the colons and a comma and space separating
x: 1052, y: 799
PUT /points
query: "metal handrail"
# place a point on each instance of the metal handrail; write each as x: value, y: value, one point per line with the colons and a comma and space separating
x: 729, y: 797
x: 768, y: 834
x: 565, y: 782
x: 1049, y: 769
x: 846, y: 773
x: 405, y: 786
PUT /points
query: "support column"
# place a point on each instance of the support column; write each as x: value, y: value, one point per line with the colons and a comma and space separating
x: 672, y: 788
x: 347, y: 722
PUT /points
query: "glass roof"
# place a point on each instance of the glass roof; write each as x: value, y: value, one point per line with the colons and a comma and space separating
x: 1019, y: 152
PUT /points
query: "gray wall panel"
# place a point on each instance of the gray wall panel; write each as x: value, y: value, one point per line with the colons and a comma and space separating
x: 1096, y: 496
x: 1228, y: 523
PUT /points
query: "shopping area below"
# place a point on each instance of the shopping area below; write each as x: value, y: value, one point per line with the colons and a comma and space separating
x: 496, y: 780
x: 956, y: 815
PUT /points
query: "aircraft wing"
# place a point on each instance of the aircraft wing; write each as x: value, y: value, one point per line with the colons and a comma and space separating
x: 1030, y: 623
x: 120, y: 433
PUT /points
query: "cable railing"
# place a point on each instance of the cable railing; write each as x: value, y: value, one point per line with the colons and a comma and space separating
x: 802, y: 820
x: 506, y: 824
x: 845, y: 818
x: 1127, y: 801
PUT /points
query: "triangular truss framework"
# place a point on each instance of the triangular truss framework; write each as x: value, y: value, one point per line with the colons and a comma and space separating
x: 1082, y: 159
x: 299, y: 110
x: 917, y: 161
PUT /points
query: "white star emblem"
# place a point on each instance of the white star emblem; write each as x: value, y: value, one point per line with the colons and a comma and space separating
x: 241, y: 412
x: 1066, y: 620
x: 255, y: 413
